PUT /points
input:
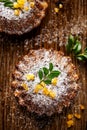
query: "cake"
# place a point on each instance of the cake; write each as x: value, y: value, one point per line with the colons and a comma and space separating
x: 21, y: 16
x: 45, y: 81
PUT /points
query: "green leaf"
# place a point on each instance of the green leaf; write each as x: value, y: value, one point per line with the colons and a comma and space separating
x: 53, y: 74
x: 48, y: 81
x: 40, y: 73
x: 50, y: 66
x: 82, y: 57
x: 85, y: 56
x: 85, y: 51
x: 2, y: 0
x: 8, y: 4
x: 71, y: 39
x: 77, y: 47
x: 70, y: 43
x: 68, y: 47
x: 5, y: 1
x: 46, y: 71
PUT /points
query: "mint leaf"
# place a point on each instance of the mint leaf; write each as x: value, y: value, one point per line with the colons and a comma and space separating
x: 46, y: 71
x: 71, y: 39
x: 40, y: 73
x: 80, y: 57
x: 85, y: 51
x: 53, y: 74
x: 48, y: 81
x: 77, y: 47
x: 70, y: 43
x: 7, y: 3
x: 50, y: 66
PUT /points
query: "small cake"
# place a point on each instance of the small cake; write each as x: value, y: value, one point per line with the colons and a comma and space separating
x: 45, y: 81
x: 21, y: 16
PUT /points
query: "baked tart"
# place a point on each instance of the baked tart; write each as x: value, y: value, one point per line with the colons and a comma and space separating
x: 21, y: 16
x: 45, y: 81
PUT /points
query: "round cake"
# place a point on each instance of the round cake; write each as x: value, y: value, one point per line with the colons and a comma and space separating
x: 21, y: 16
x: 45, y: 81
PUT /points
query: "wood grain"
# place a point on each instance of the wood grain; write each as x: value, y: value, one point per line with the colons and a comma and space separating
x: 52, y: 33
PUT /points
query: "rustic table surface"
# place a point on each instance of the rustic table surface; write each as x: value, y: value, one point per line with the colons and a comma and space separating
x: 52, y: 33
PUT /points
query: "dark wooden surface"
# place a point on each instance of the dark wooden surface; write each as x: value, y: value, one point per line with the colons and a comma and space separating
x: 52, y: 33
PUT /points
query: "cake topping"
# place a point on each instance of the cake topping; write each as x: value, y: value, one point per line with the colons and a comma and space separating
x: 19, y: 6
x: 25, y: 86
x: 44, y: 4
x: 16, y: 5
x: 59, y: 5
x: 54, y: 81
x: 37, y: 88
x: 47, y: 75
x: 43, y: 84
x: 56, y: 10
x: 78, y: 116
x: 52, y: 94
x: 71, y: 118
x: 70, y: 123
x: 82, y: 107
x: 7, y: 3
x: 45, y: 91
x: 30, y: 77
x: 49, y: 93
x: 32, y: 4
x: 26, y: 8
x: 16, y: 12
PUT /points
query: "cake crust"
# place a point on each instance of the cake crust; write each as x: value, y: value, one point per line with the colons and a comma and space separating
x: 66, y: 89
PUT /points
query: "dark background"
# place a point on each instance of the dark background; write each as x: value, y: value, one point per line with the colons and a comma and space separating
x: 52, y: 33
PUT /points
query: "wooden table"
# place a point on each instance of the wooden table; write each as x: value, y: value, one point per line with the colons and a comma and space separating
x: 52, y: 33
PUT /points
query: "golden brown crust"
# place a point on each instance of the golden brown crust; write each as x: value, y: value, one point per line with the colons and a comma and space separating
x: 70, y: 82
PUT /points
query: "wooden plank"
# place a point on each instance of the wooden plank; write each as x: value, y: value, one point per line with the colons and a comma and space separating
x: 52, y: 33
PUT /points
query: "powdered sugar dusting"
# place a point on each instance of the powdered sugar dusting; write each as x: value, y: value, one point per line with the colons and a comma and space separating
x: 8, y: 13
x: 39, y: 62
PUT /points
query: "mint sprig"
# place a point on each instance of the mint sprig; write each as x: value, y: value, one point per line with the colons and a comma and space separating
x: 75, y: 46
x: 47, y: 74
